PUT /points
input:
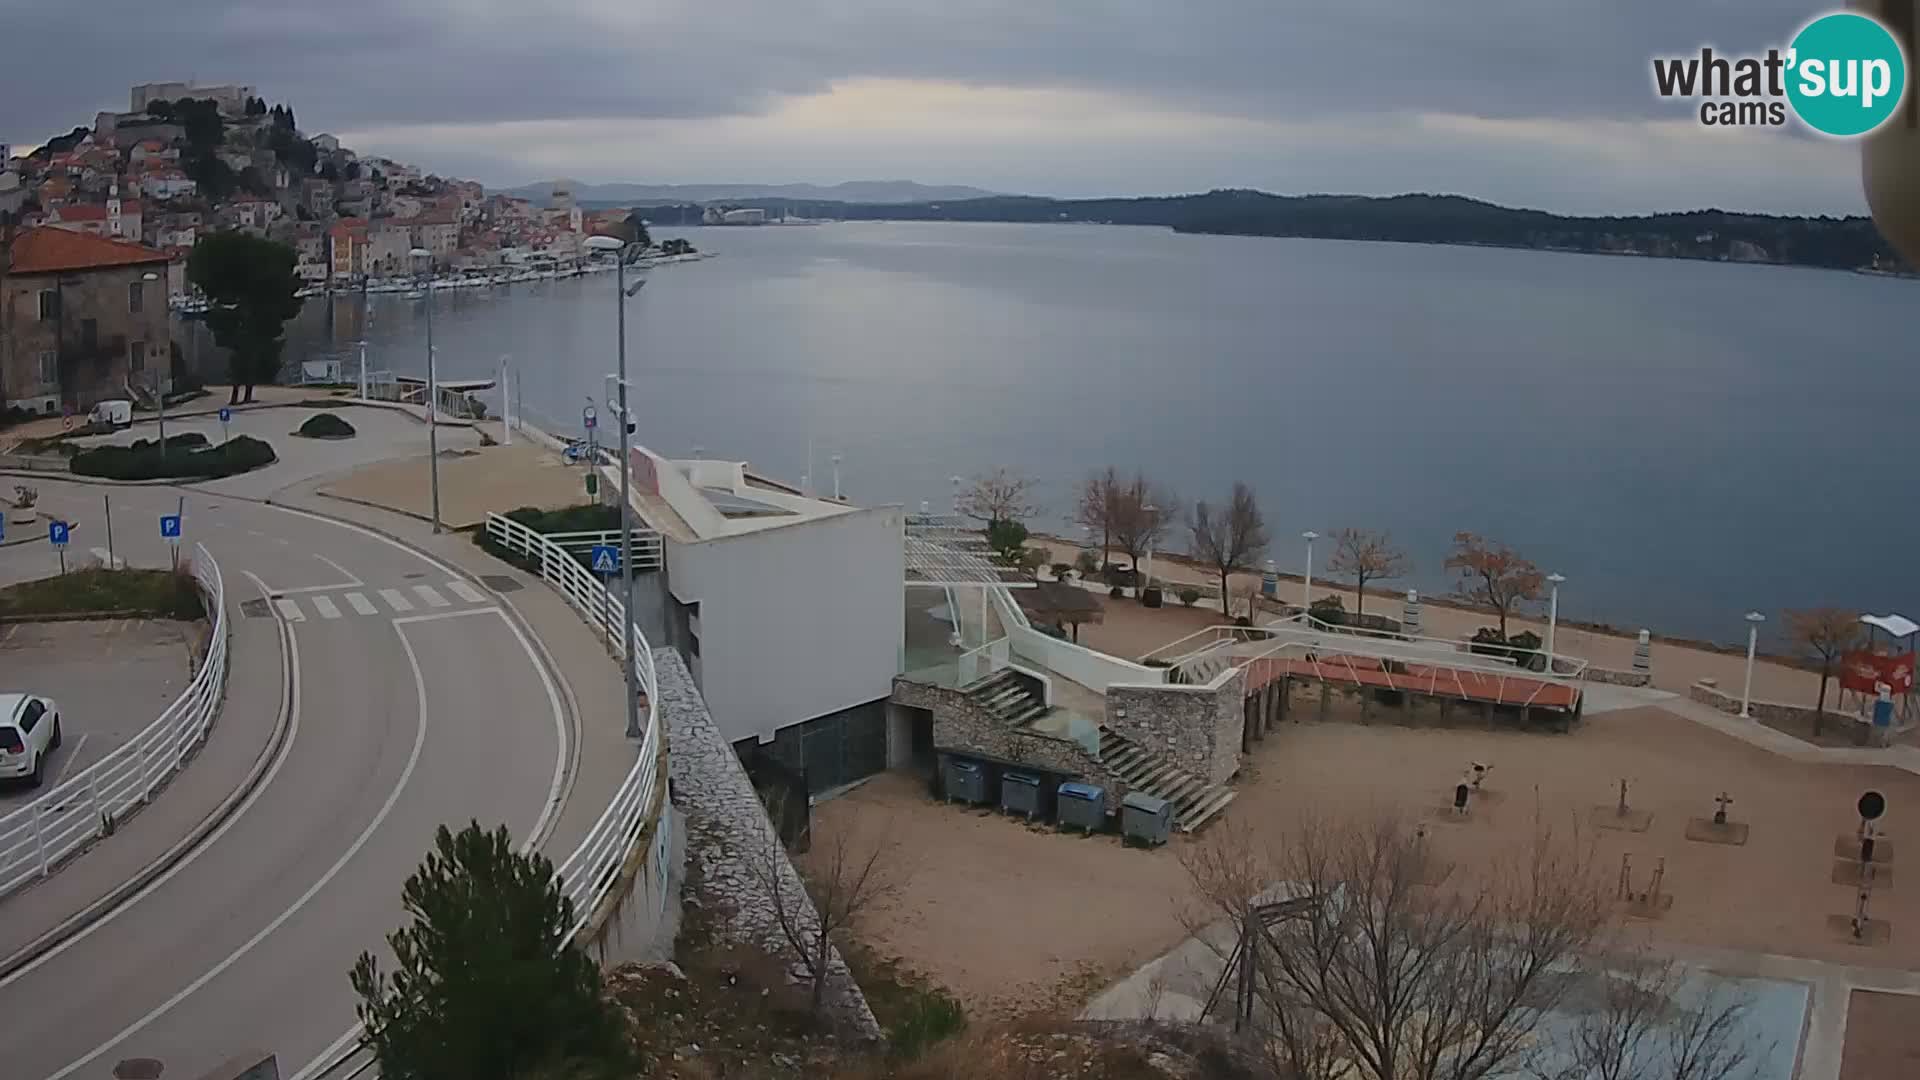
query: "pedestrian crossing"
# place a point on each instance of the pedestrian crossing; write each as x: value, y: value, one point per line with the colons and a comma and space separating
x: 392, y: 601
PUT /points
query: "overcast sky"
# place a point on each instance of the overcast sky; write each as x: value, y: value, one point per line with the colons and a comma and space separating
x: 1544, y: 103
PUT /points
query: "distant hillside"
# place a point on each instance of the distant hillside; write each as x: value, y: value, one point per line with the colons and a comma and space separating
x: 879, y: 192
x: 1837, y: 243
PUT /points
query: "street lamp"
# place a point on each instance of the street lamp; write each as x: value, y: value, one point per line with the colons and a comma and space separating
x: 621, y: 295
x: 1553, y: 616
x: 159, y: 383
x: 1754, y: 619
x: 1306, y: 585
x: 1152, y: 513
x: 424, y: 257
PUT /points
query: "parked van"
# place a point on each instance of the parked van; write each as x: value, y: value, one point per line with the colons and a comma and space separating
x: 111, y: 415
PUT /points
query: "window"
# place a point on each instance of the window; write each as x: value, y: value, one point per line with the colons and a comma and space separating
x: 49, y: 367
x: 30, y: 716
x: 10, y: 741
x: 137, y: 356
x: 136, y: 297
x: 49, y: 305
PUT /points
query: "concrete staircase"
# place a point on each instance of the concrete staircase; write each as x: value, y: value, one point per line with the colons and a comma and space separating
x: 1007, y: 697
x: 1201, y: 669
x: 1194, y: 800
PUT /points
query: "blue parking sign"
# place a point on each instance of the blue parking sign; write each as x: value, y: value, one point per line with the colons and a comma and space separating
x: 605, y: 559
x: 169, y: 526
x: 226, y: 414
x: 57, y: 533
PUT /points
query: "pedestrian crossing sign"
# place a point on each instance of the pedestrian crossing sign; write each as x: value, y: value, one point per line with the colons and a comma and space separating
x: 606, y: 559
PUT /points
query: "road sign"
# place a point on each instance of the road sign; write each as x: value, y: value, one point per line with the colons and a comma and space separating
x: 606, y: 559
x: 590, y: 418
x: 226, y: 414
x: 169, y: 526
x: 57, y: 533
x: 3, y: 528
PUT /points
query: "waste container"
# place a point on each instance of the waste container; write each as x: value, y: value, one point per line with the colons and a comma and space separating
x: 966, y: 781
x: 1145, y: 818
x: 1083, y: 806
x: 1020, y: 794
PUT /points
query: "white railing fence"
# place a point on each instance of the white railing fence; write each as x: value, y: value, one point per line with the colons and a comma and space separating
x: 87, y: 805
x: 978, y: 663
x: 648, y: 553
x: 588, y: 875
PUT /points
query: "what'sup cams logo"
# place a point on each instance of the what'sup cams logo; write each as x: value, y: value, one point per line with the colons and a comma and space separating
x: 1844, y: 75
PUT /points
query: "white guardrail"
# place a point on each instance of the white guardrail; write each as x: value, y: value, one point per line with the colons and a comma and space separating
x: 588, y: 875
x: 84, y: 807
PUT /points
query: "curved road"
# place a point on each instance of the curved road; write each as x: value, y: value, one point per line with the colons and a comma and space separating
x: 415, y: 702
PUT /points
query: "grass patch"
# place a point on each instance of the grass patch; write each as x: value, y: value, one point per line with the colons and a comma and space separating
x: 325, y: 426
x: 182, y: 460
x: 166, y: 593
x: 915, y: 1013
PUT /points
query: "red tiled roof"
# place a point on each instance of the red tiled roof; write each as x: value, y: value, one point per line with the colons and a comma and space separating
x: 96, y: 211
x: 49, y: 250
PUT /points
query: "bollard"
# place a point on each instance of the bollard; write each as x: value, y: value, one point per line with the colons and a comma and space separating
x: 1410, y: 614
x: 1643, y: 653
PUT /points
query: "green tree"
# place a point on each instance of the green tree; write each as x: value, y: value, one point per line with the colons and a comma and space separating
x: 250, y: 283
x: 487, y: 987
x: 1007, y: 538
x: 162, y: 110
x: 201, y: 119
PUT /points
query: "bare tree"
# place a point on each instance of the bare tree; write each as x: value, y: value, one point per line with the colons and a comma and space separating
x: 1493, y: 576
x: 847, y: 877
x: 1141, y: 511
x: 1366, y: 555
x: 1370, y: 973
x: 1001, y: 495
x: 1229, y: 538
x: 1093, y: 507
x: 1827, y: 633
x: 1644, y: 1017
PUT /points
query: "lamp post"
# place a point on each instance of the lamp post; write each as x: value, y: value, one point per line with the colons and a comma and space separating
x: 1306, y: 584
x: 621, y: 295
x: 1754, y: 619
x: 159, y: 382
x: 423, y: 257
x: 1553, y: 616
x: 1152, y: 513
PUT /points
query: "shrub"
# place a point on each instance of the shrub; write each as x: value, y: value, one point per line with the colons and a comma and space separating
x: 1525, y: 649
x: 1087, y: 563
x: 1487, y: 641
x: 1329, y: 609
x: 1008, y: 539
x: 325, y: 426
x: 1189, y: 595
x: 1061, y: 570
x: 1242, y: 620
x: 932, y: 1016
x: 1031, y: 560
x: 145, y: 461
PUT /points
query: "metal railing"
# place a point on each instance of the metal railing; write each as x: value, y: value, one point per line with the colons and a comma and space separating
x: 648, y: 552
x: 978, y: 663
x: 86, y: 806
x: 588, y: 874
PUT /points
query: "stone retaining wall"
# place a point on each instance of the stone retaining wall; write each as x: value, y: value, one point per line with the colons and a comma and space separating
x: 1197, y: 728
x: 727, y: 826
x: 1708, y: 692
x: 1621, y: 678
x: 960, y: 723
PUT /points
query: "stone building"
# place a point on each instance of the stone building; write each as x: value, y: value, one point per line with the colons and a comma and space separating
x: 80, y: 316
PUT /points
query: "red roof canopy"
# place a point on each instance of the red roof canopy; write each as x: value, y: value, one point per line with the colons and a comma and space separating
x: 50, y: 250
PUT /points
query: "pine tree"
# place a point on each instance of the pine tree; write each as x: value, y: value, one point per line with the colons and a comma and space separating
x: 487, y: 987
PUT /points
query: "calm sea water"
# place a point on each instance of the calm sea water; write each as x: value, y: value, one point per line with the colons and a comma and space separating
x: 1684, y: 441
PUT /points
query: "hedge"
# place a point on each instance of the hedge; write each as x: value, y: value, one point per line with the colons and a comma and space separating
x: 325, y: 426
x: 182, y: 461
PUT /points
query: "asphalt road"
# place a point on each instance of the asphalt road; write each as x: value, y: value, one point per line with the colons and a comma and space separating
x: 416, y: 703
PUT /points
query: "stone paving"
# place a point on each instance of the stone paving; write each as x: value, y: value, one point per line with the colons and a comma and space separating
x: 727, y: 827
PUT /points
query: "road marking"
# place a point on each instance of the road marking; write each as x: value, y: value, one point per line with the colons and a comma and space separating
x: 66, y: 762
x: 432, y: 597
x: 393, y: 797
x: 466, y: 592
x: 289, y: 610
x: 361, y: 604
x: 324, y: 606
x: 556, y: 798
x: 292, y: 658
x: 344, y: 572
x: 396, y: 599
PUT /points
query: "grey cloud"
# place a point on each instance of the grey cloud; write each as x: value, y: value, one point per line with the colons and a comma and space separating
x: 358, y: 63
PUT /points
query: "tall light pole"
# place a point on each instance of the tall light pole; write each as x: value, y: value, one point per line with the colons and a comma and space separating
x: 1553, y: 616
x: 620, y: 297
x: 1306, y: 584
x: 1152, y: 513
x: 424, y: 257
x: 1754, y: 619
x: 159, y: 380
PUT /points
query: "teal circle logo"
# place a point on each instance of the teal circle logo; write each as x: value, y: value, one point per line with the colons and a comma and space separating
x: 1846, y: 74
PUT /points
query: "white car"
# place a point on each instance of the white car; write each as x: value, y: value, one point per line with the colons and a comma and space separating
x: 29, y: 731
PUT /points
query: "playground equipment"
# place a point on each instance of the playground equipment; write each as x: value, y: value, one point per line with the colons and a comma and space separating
x: 1876, y: 680
x: 1651, y: 902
